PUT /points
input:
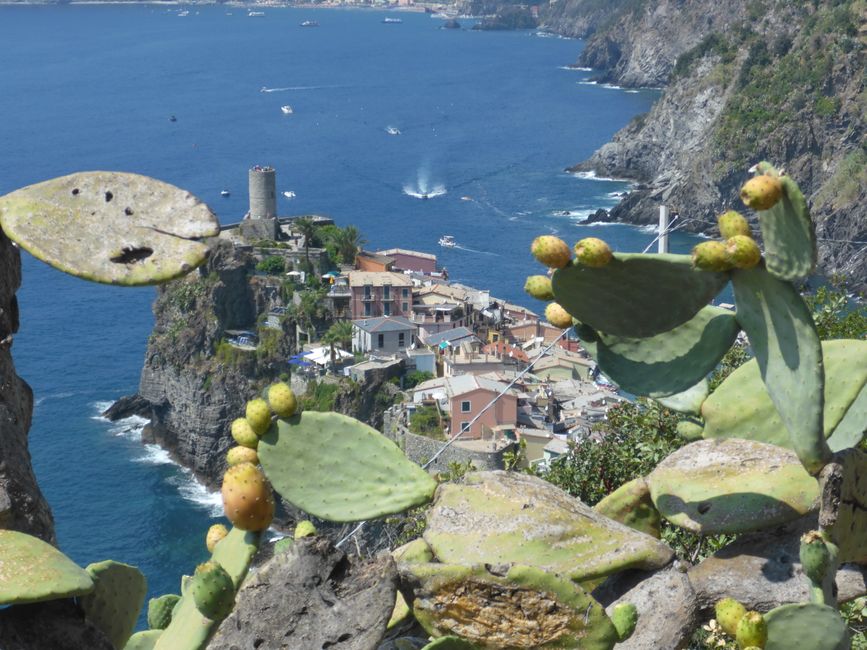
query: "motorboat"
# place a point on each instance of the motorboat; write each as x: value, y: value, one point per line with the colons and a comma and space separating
x: 255, y: 14
x: 392, y: 21
x: 184, y: 13
x: 392, y: 130
x: 309, y: 23
x: 289, y: 194
x: 287, y: 110
x: 448, y: 241
x: 225, y: 193
x: 172, y: 118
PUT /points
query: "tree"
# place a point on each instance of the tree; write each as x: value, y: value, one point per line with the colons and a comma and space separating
x: 272, y: 265
x: 349, y: 241
x: 307, y: 228
x: 340, y: 332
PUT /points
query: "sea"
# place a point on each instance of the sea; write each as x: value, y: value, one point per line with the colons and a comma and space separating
x: 483, y: 123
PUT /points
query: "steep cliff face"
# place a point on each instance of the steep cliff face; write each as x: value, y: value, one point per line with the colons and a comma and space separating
x: 22, y: 506
x: 193, y: 384
x: 766, y: 80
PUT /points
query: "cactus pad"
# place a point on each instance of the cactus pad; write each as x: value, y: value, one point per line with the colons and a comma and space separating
x: 32, y: 570
x: 189, y: 629
x: 789, y: 235
x: 731, y: 486
x: 631, y: 505
x: 523, y: 607
x: 339, y: 469
x: 626, y: 297
x: 808, y: 626
x: 786, y: 345
x: 740, y: 407
x: 668, y: 363
x: 688, y: 401
x: 160, y: 611
x: 116, y: 600
x: 415, y: 551
x: 505, y: 517
x: 145, y: 640
x: 124, y: 228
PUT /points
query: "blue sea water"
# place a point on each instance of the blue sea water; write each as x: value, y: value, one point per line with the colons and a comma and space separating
x: 487, y: 122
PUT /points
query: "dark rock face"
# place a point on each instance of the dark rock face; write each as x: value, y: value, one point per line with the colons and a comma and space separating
x: 312, y: 596
x: 509, y: 17
x: 52, y: 625
x: 22, y: 506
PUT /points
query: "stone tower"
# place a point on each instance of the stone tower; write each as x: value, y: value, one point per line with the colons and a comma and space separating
x: 261, y: 221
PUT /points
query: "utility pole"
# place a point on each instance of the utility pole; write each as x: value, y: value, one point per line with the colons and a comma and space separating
x: 663, y: 229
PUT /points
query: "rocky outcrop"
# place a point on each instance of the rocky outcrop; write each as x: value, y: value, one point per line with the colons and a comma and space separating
x: 745, y: 83
x: 50, y: 625
x: 312, y: 596
x: 22, y: 506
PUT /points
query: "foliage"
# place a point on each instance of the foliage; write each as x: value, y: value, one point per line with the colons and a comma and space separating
x: 836, y: 315
x: 855, y: 613
x: 272, y: 265
x: 714, y: 44
x: 320, y: 396
x: 414, y: 378
x: 307, y: 228
x: 228, y: 354
x: 426, y: 421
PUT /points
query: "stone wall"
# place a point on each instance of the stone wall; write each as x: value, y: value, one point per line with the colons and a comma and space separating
x: 420, y: 449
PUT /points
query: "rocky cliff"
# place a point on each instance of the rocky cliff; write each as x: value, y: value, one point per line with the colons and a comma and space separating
x: 22, y: 506
x: 746, y: 80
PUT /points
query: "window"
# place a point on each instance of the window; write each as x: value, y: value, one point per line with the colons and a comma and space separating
x: 386, y: 309
x: 367, y: 288
x: 405, y: 293
x: 386, y: 292
x: 465, y: 406
x: 465, y: 426
x: 367, y: 309
x: 380, y: 340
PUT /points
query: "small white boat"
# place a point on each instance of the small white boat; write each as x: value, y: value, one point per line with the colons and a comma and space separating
x: 184, y: 13
x: 309, y: 23
x: 255, y: 14
x: 392, y: 130
x: 287, y: 110
x: 448, y: 241
x: 225, y: 193
x: 289, y: 194
x: 392, y: 21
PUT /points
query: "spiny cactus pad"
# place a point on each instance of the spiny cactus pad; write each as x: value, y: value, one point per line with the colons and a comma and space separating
x: 688, y: 401
x: 189, y: 629
x: 624, y: 298
x: 160, y: 611
x: 668, y: 363
x: 125, y: 228
x: 786, y: 345
x: 523, y: 607
x: 32, y: 570
x: 807, y: 626
x: 506, y: 517
x: 116, y: 600
x: 740, y: 407
x: 213, y: 591
x: 631, y: 505
x: 789, y: 235
x: 731, y: 486
x: 415, y: 551
x: 339, y: 469
x: 144, y: 640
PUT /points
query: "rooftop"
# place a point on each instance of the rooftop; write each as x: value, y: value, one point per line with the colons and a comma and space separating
x: 403, y: 251
x: 449, y: 336
x: 378, y: 279
x: 385, y: 324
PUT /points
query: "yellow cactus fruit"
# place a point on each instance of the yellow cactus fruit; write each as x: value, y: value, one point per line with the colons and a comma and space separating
x: 282, y: 400
x: 762, y: 192
x: 238, y: 455
x: 248, y: 499
x: 742, y: 252
x: 557, y: 316
x: 215, y: 533
x: 258, y: 415
x: 733, y: 223
x: 551, y: 251
x: 593, y: 252
x: 243, y: 433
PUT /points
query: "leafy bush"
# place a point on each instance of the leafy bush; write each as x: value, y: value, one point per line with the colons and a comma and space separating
x: 272, y: 265
x: 416, y: 377
x: 320, y: 396
x: 425, y: 421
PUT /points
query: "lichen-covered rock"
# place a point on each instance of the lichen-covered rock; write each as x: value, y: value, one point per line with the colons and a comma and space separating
x: 311, y: 596
x: 843, y: 513
x: 732, y: 486
x: 505, y: 517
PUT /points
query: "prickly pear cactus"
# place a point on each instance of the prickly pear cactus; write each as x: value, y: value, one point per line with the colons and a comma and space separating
x: 144, y: 640
x: 623, y: 298
x: 116, y: 600
x: 32, y: 570
x: 450, y: 643
x: 339, y: 469
x: 808, y: 626
x: 129, y: 229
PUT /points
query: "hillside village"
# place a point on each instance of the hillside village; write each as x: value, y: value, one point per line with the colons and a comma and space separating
x: 451, y: 348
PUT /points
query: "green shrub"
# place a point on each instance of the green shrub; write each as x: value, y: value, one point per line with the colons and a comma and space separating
x: 272, y: 265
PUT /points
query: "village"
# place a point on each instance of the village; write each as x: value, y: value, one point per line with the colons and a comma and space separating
x: 452, y: 349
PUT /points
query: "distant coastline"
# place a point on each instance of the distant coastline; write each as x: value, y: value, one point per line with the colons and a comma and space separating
x: 423, y: 8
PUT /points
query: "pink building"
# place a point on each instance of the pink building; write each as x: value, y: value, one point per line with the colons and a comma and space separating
x: 405, y: 260
x: 379, y: 294
x: 468, y: 395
